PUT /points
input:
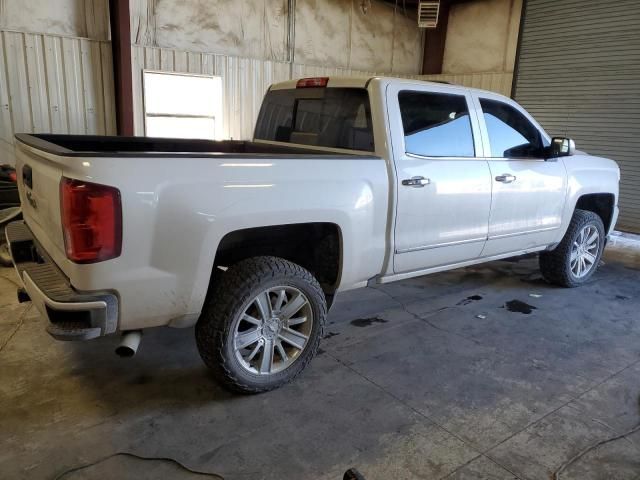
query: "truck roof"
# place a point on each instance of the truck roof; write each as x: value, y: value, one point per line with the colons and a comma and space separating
x: 362, y: 82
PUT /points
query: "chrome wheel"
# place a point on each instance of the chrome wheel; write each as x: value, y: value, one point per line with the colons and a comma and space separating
x: 273, y: 330
x: 584, y: 251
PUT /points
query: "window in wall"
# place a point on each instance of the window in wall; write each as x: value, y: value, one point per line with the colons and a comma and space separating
x: 511, y: 134
x: 182, y: 105
x: 436, y: 124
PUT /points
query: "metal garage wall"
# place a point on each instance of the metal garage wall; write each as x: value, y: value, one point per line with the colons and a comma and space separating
x: 244, y: 81
x: 579, y: 74
x: 51, y: 83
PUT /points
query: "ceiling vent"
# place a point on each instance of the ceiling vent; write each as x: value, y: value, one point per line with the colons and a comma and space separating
x: 428, y: 14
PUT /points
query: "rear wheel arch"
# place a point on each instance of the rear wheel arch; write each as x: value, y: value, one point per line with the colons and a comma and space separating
x: 316, y: 246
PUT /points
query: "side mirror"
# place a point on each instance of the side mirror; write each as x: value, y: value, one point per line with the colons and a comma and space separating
x: 561, y: 147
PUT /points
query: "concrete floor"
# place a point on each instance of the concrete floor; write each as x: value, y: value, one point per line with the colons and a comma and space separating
x: 428, y: 378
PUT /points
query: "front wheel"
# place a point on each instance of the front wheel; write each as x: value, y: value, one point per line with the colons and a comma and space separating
x: 262, y: 324
x: 576, y: 258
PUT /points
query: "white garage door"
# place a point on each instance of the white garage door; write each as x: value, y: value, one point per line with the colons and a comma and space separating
x: 578, y: 73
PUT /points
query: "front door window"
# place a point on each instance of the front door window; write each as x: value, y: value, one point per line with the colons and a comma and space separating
x: 511, y: 134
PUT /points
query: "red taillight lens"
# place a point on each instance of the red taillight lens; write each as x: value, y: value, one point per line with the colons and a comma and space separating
x: 312, y: 82
x: 91, y: 221
x: 13, y: 177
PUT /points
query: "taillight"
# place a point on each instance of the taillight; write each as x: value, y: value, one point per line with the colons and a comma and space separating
x: 312, y: 82
x: 91, y: 221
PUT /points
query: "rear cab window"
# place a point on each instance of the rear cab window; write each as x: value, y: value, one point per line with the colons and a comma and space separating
x: 436, y: 124
x: 325, y: 117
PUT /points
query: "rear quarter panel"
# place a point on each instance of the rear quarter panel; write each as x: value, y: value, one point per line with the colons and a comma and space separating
x: 176, y: 211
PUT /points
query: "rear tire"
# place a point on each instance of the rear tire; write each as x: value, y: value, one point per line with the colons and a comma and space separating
x: 261, y: 324
x: 576, y: 258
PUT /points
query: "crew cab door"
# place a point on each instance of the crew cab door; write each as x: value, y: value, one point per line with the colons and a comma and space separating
x: 443, y: 188
x: 528, y: 191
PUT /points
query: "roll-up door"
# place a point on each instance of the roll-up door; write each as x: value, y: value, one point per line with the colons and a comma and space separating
x: 578, y: 73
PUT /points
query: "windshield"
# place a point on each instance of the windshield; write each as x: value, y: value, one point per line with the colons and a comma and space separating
x: 324, y: 117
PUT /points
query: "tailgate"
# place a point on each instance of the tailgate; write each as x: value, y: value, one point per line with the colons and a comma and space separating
x: 38, y: 175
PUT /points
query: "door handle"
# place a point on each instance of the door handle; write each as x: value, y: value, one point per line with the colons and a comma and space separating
x: 416, y: 182
x: 506, y: 178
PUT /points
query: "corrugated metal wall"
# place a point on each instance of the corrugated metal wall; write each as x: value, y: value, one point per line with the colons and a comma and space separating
x: 579, y: 75
x: 56, y: 84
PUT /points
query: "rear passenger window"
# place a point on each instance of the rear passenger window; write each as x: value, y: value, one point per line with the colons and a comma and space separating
x: 511, y: 134
x: 436, y: 124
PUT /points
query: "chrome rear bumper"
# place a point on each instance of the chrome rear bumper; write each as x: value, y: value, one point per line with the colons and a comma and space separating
x: 72, y: 315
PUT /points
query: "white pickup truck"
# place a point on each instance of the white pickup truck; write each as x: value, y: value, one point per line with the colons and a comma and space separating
x: 348, y: 182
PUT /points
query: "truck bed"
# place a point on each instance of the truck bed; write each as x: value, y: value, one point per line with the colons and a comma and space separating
x: 114, y: 146
x: 180, y: 199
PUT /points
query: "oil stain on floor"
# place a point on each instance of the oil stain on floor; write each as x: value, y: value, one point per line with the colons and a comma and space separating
x: 468, y: 300
x: 367, y: 322
x: 518, y: 306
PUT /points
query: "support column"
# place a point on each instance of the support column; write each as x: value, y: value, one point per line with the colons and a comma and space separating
x: 434, y: 41
x: 122, y: 77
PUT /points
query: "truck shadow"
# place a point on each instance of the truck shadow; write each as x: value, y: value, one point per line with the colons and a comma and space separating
x: 166, y: 371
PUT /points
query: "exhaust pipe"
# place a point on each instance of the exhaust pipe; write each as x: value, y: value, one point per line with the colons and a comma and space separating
x: 129, y: 344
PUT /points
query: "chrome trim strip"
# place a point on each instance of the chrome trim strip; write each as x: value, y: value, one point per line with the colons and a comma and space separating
x: 438, y: 245
x: 425, y: 157
x: 473, y: 240
x: 517, y: 234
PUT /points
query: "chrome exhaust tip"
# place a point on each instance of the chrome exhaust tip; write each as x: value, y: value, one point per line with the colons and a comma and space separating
x: 129, y: 343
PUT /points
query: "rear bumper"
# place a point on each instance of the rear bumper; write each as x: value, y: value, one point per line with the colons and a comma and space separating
x: 72, y: 315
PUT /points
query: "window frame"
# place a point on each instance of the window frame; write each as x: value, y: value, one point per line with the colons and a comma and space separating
x: 429, y: 91
x: 395, y: 126
x: 477, y: 97
x: 217, y: 117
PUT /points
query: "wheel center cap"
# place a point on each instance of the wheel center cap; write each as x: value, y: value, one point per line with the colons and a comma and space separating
x: 271, y: 328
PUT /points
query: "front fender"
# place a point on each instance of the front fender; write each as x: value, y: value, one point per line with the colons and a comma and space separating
x: 587, y: 175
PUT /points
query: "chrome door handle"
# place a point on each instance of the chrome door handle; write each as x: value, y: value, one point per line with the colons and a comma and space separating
x: 416, y: 182
x: 506, y: 178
